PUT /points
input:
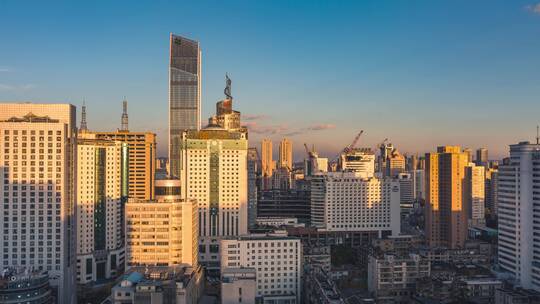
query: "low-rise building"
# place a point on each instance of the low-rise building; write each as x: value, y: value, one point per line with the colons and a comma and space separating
x: 159, y: 285
x: 277, y: 259
x: 238, y: 285
x: 395, y: 277
x: 516, y: 296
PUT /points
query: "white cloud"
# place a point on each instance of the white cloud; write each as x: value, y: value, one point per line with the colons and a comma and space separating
x: 16, y: 87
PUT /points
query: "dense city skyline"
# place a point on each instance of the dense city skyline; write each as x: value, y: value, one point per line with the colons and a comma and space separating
x: 376, y: 67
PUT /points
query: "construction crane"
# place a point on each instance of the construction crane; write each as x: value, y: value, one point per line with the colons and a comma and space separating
x: 350, y: 147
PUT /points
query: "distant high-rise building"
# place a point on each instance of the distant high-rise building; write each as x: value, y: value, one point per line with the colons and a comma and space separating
x: 215, y: 173
x: 266, y: 157
x: 184, y: 94
x: 406, y: 188
x: 253, y: 162
x: 395, y: 163
x: 385, y: 148
x: 358, y: 160
x: 518, y: 215
x: 482, y: 157
x: 469, y: 153
x: 102, y: 190
x: 163, y: 231
x: 285, y: 154
x: 419, y: 184
x: 281, y: 179
x: 346, y: 201
x: 125, y: 122
x: 445, y: 211
x: 38, y: 168
x: 491, y: 191
x: 474, y: 191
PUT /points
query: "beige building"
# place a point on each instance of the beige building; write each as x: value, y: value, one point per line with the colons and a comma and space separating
x: 446, y: 211
x: 475, y: 182
x: 285, y: 154
x: 102, y: 169
x: 161, y: 232
x: 142, y: 159
x: 214, y: 172
x: 37, y: 165
x: 267, y: 162
x: 395, y: 163
x: 238, y: 285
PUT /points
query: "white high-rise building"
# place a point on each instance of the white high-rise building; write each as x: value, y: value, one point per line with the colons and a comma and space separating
x: 518, y: 198
x: 358, y: 160
x: 214, y: 172
x: 102, y: 183
x: 277, y: 260
x: 346, y: 201
x: 37, y: 174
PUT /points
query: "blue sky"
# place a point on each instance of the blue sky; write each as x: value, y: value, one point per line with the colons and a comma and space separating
x: 421, y: 73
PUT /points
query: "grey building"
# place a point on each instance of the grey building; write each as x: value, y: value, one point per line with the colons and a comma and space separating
x: 184, y: 94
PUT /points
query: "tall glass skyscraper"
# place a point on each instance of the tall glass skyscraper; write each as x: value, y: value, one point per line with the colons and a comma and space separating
x: 184, y: 94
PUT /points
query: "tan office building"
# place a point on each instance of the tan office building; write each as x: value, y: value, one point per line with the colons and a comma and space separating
x: 446, y: 211
x: 141, y: 155
x: 161, y: 232
x: 267, y: 163
x: 285, y: 154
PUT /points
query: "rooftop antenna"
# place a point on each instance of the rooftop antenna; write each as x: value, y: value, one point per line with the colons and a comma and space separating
x: 124, y: 116
x: 537, y: 134
x: 83, y: 117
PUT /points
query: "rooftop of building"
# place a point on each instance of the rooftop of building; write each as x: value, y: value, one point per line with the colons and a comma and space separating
x: 156, y: 275
x: 275, y: 235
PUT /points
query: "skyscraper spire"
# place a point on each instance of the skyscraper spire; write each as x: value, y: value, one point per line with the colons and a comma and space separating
x: 124, y: 116
x: 83, y: 117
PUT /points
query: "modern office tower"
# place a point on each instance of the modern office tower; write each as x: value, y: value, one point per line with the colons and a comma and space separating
x: 125, y: 122
x: 184, y: 94
x: 277, y: 260
x: 518, y: 224
x: 161, y: 232
x: 491, y: 191
x: 346, y: 201
x: 358, y: 160
x: 239, y: 285
x: 253, y: 162
x: 419, y: 184
x: 215, y: 173
x: 395, y: 163
x: 102, y: 190
x: 421, y: 163
x: 407, y: 192
x: 284, y: 203
x: 474, y: 194
x: 141, y: 155
x: 445, y: 211
x: 37, y: 169
x: 482, y: 157
x: 285, y: 154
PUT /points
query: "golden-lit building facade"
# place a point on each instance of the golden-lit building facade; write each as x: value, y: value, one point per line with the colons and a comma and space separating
x: 445, y: 210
